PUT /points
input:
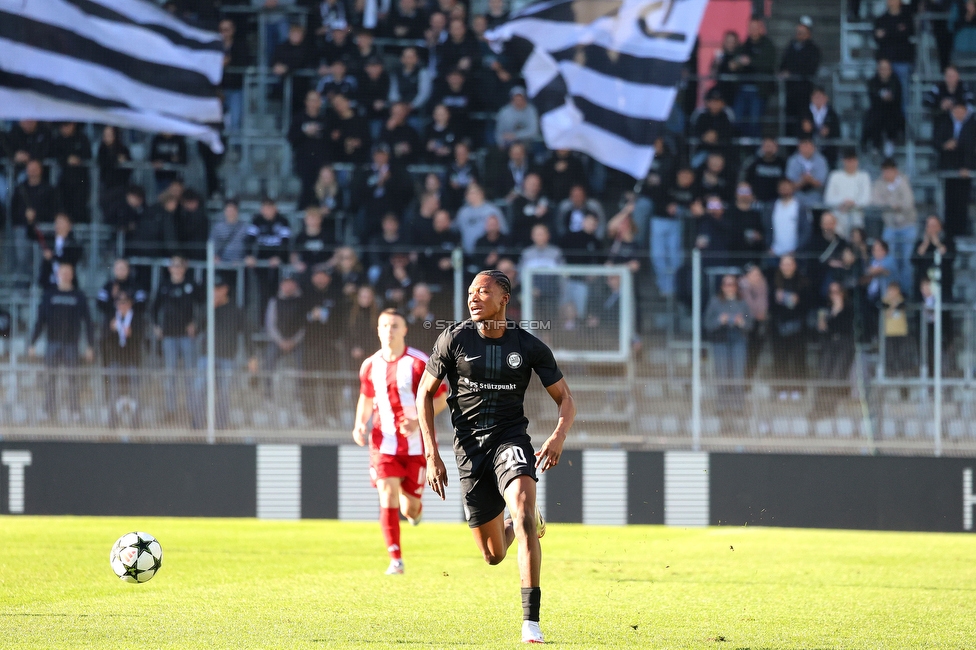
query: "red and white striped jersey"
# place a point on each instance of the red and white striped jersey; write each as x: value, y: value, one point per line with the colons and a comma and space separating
x: 392, y: 385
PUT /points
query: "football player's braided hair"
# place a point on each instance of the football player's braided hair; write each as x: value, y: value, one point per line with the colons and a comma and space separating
x: 500, y: 279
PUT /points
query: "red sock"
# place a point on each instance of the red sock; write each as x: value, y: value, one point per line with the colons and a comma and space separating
x: 390, y: 523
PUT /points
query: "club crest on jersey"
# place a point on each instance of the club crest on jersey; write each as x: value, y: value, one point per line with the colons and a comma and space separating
x: 514, y: 360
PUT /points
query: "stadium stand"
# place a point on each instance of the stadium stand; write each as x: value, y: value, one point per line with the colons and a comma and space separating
x: 363, y: 165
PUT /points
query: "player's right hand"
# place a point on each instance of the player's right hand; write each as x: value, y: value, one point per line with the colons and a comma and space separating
x: 359, y: 434
x: 436, y: 475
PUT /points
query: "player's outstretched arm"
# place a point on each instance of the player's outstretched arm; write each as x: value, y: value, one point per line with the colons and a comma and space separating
x: 552, y: 448
x: 436, y: 471
x: 363, y: 410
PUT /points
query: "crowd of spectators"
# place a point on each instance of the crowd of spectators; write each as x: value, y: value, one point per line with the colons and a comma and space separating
x: 798, y: 242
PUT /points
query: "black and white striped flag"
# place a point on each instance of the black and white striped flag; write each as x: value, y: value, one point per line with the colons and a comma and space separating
x: 603, y: 74
x: 122, y: 62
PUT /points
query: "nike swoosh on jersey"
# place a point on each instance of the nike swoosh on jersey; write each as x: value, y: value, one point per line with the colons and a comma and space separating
x: 467, y: 358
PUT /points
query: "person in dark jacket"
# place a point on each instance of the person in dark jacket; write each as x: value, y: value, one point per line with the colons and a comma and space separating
x: 167, y: 149
x: 112, y: 178
x: 727, y: 321
x: 800, y: 62
x: 756, y: 56
x: 155, y: 232
x: 894, y: 31
x: 323, y: 318
x: 307, y: 137
x: 192, y: 227
x: 885, y: 118
x: 72, y: 149
x: 935, y: 240
x: 284, y: 324
x: 954, y: 135
x: 62, y: 314
x: 121, y: 341
x: 835, y: 324
x: 175, y: 324
x: 34, y: 202
x: 60, y: 248
x: 314, y: 244
x: 764, y: 170
x: 123, y: 280
x: 267, y: 240
x: 820, y: 122
x: 788, y: 306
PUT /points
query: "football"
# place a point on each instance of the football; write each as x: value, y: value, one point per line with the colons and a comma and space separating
x: 136, y: 557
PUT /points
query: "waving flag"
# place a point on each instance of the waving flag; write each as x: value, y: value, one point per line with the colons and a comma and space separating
x: 122, y: 62
x: 603, y: 74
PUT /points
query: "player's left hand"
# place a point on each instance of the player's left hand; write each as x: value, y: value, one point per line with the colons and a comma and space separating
x: 409, y: 426
x: 550, y: 452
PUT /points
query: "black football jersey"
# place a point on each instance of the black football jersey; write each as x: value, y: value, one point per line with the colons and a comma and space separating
x: 488, y: 378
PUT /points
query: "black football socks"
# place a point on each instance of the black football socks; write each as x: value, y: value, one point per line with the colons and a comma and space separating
x: 531, y: 599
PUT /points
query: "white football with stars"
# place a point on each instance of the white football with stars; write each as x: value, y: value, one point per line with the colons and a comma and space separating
x: 136, y: 557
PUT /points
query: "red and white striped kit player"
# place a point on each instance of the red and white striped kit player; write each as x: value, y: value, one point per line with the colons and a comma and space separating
x: 393, y: 387
x: 388, y: 394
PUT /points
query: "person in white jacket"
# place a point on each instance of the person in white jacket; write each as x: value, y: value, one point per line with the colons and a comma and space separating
x: 848, y: 192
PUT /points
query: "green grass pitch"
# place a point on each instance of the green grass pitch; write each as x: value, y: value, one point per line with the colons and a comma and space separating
x: 320, y: 584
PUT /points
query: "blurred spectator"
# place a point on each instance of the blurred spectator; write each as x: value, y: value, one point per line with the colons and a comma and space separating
x: 338, y: 44
x: 284, y: 324
x: 671, y: 208
x: 490, y: 247
x: 71, y: 148
x: 167, y: 149
x: 808, y: 170
x: 454, y: 92
x: 884, y: 122
x: 835, y: 323
x: 174, y: 315
x: 518, y: 121
x: 461, y: 173
x: 940, y: 29
x: 396, y: 279
x: 661, y: 172
x: 926, y: 292
x: 379, y: 189
x: 585, y: 248
x: 935, y: 240
x: 799, y: 65
x: 364, y: 51
x: 228, y: 237
x: 236, y: 58
x: 61, y: 313
x: 121, y: 342
x: 324, y: 303
x: 894, y: 31
x: 510, y: 269
x: 123, y: 281
x: 307, y: 137
x: 419, y: 217
x: 941, y: 97
x: 127, y: 214
x: 497, y: 14
x: 508, y: 176
x: 712, y: 125
x: 955, y: 136
x: 528, y: 207
x: 267, y: 240
x: 560, y: 173
x: 406, y: 21
x: 878, y: 274
x: 440, y: 137
x: 113, y: 179
x: 61, y: 248
x: 192, y: 226
x: 748, y: 243
x: 789, y: 296
x: 410, y: 82
x: 848, y: 192
x: 34, y: 200
x: 155, y: 233
x: 296, y: 53
x: 756, y: 56
x: 754, y: 290
x: 623, y: 249
x: 900, y: 353
x: 28, y: 140
x: 962, y: 23
x: 360, y: 335
x: 314, y: 244
x: 542, y: 254
x: 764, y: 170
x: 826, y: 248
x: 403, y: 140
x: 229, y: 330
x: 714, y: 178
x: 347, y: 271
x: 892, y: 192
x: 726, y: 321
x: 571, y: 211
x: 715, y: 236
x: 725, y: 59
x: 790, y: 223
x: 337, y: 80
x: 436, y: 248
x: 820, y: 122
x: 374, y: 93
x: 348, y: 136
x: 381, y: 245
x: 495, y: 75
x: 459, y: 51
x: 328, y: 195
x: 419, y: 312
x: 471, y: 218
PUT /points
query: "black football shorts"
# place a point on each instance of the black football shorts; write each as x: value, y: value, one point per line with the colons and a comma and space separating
x: 482, y: 492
